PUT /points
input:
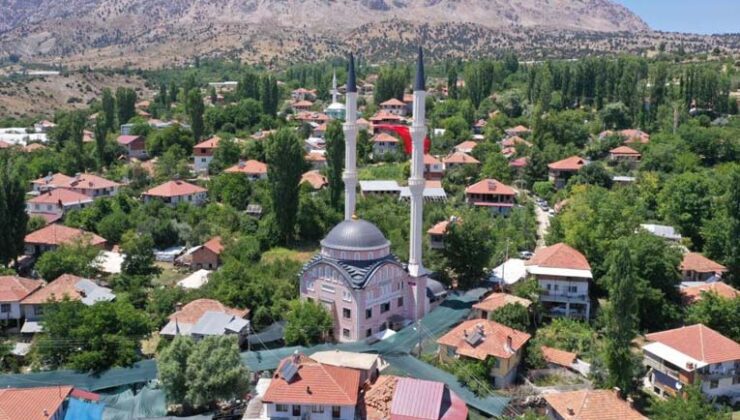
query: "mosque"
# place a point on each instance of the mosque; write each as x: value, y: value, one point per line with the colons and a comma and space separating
x: 366, y: 288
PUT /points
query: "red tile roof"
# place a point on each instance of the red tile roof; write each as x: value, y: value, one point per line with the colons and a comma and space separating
x: 214, y: 245
x: 431, y: 160
x: 493, y: 343
x: 694, y: 293
x: 460, y: 158
x: 513, y: 141
x: 55, y: 180
x: 440, y: 228
x: 519, y: 162
x: 491, y: 187
x: 302, y: 104
x: 625, y: 151
x: 63, y: 285
x: 699, y: 342
x: 315, y: 156
x: 315, y: 179
x: 314, y: 384
x: 385, y: 137
x: 392, y: 102
x: 55, y: 234
x: 382, y: 116
x: 211, y: 143
x: 248, y: 167
x: 34, y: 147
x: 32, y: 403
x: 635, y: 136
x: 92, y: 182
x: 572, y: 163
x: 589, y: 404
x: 519, y: 129
x: 5, y: 145
x: 14, y: 288
x: 499, y: 300
x: 558, y: 357
x: 174, y: 189
x: 466, y: 145
x: 126, y: 139
x: 191, y: 313
x: 559, y: 256
x: 694, y: 261
x: 60, y: 195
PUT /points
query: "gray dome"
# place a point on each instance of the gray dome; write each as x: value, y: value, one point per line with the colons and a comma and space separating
x: 355, y: 235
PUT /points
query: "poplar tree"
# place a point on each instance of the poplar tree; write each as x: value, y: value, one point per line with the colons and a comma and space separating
x: 195, y: 109
x: 285, y: 165
x: 13, y: 217
x: 335, y: 161
x: 109, y: 109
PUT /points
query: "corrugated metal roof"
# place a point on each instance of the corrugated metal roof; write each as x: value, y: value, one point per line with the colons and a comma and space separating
x: 415, y: 398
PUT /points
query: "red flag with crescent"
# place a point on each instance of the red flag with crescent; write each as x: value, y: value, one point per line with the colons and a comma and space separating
x: 403, y: 132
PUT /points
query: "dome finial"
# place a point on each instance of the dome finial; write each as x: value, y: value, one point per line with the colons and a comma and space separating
x: 354, y: 216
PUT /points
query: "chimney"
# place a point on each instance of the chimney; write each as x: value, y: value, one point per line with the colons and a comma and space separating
x: 308, y: 390
x: 178, y: 306
x: 46, y: 413
x: 296, y: 358
x: 465, y: 333
x: 509, y: 344
x: 242, y: 164
x: 617, y: 391
x: 630, y: 401
x: 571, y: 411
x: 78, y: 175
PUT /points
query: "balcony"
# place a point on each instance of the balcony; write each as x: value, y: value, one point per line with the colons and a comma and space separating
x: 718, y: 373
x: 556, y: 296
x: 660, y: 367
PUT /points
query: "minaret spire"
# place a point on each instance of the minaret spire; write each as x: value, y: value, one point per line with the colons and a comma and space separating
x: 350, y: 138
x: 334, y: 91
x: 416, y: 181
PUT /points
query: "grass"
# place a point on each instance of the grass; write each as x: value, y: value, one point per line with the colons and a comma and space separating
x: 149, y: 346
x: 301, y: 254
x: 556, y: 379
x: 169, y: 276
x: 383, y: 171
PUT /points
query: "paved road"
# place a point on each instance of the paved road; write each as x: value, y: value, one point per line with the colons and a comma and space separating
x: 543, y: 225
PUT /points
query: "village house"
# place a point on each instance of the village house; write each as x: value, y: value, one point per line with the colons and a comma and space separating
x: 558, y: 359
x: 320, y: 133
x: 695, y: 293
x: 667, y: 233
x: 561, y: 171
x: 314, y: 179
x: 394, y: 106
x: 368, y: 364
x: 135, y: 146
x: 317, y: 118
x: 691, y: 355
x: 67, y: 285
x: 304, y: 388
x: 253, y: 169
x: 484, y: 308
x: 317, y: 159
x: 437, y: 234
x: 465, y: 147
x: 13, y: 290
x: 589, y: 404
x: 384, y: 143
x: 635, y: 136
x: 479, y: 126
x: 203, y: 256
x: 50, y: 182
x: 203, y: 154
x: 458, y: 159
x: 302, y: 94
x: 207, y: 317
x: 51, y: 236
x: 176, y: 192
x: 301, y: 105
x: 513, y: 142
x: 519, y: 130
x: 625, y: 154
x: 363, y: 124
x: 384, y: 117
x: 564, y: 277
x: 697, y: 267
x: 434, y: 169
x: 490, y: 193
x: 518, y: 165
x: 393, y: 397
x: 38, y: 403
x: 487, y: 341
x: 90, y: 185
x: 52, y: 204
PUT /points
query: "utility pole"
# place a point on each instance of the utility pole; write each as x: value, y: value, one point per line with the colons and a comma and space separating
x: 418, y: 335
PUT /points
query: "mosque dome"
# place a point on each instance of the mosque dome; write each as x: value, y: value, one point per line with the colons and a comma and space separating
x: 355, y: 235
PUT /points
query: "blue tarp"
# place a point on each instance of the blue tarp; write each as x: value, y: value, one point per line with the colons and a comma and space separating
x: 83, y: 410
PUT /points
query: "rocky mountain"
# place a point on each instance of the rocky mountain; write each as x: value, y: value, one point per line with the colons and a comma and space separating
x: 150, y: 33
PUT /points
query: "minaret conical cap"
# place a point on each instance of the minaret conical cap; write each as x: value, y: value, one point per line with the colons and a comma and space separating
x: 420, y: 83
x: 351, y: 78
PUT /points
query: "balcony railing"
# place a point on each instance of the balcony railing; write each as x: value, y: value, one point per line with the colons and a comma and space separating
x: 718, y: 373
x: 564, y: 296
x: 660, y: 367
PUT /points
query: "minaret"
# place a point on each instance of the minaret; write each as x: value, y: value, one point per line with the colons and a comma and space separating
x: 334, y: 91
x: 416, y: 181
x: 350, y: 138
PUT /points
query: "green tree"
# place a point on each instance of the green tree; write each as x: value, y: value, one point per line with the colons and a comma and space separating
x: 718, y: 313
x: 215, y: 372
x: 620, y: 318
x: 109, y: 110
x: 233, y: 189
x: 249, y: 86
x: 285, y: 167
x: 307, y: 323
x: 689, y: 406
x: 138, y: 250
x: 685, y: 203
x: 364, y: 146
x: 269, y: 94
x: 73, y: 258
x: 468, y: 248
x: 100, y: 141
x: 172, y: 363
x: 13, y: 216
x: 195, y: 108
x: 125, y: 104
x: 615, y: 116
x: 335, y: 161
x: 513, y: 315
x: 226, y: 154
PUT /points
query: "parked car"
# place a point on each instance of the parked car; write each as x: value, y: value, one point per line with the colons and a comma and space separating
x: 525, y: 255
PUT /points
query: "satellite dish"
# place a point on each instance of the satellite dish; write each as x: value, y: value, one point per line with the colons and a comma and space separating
x: 678, y: 385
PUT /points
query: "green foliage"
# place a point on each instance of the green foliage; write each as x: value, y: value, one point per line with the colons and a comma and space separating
x: 269, y: 95
x: 685, y: 203
x: 391, y: 83
x: 171, y: 367
x: 125, y: 104
x: 160, y: 141
x: 562, y: 333
x: 108, y: 110
x: 718, y: 313
x: 474, y: 374
x: 91, y: 338
x: 335, y: 161
x: 13, y: 217
x: 691, y: 405
x: 615, y: 116
x: 233, y: 189
x: 195, y: 108
x: 73, y: 258
x: 468, y: 248
x: 139, y: 255
x: 513, y: 315
x: 285, y: 167
x: 308, y: 323
x: 226, y: 154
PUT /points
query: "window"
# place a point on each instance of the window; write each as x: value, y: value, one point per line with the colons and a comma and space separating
x: 736, y: 379
x: 557, y: 287
x: 714, y: 383
x: 309, y: 285
x: 368, y: 332
x: 347, y: 296
x: 385, y: 307
x: 38, y: 310
x: 450, y: 351
x: 549, y: 286
x: 496, y: 363
x: 317, y: 409
x: 336, y: 411
x: 368, y: 313
x: 281, y: 408
x: 327, y: 288
x: 5, y: 308
x: 345, y: 333
x: 400, y: 301
x: 346, y: 313
x: 296, y: 410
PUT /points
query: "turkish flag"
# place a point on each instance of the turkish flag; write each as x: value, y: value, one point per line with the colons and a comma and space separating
x: 403, y: 132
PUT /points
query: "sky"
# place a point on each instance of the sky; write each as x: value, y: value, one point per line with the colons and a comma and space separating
x: 695, y: 16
